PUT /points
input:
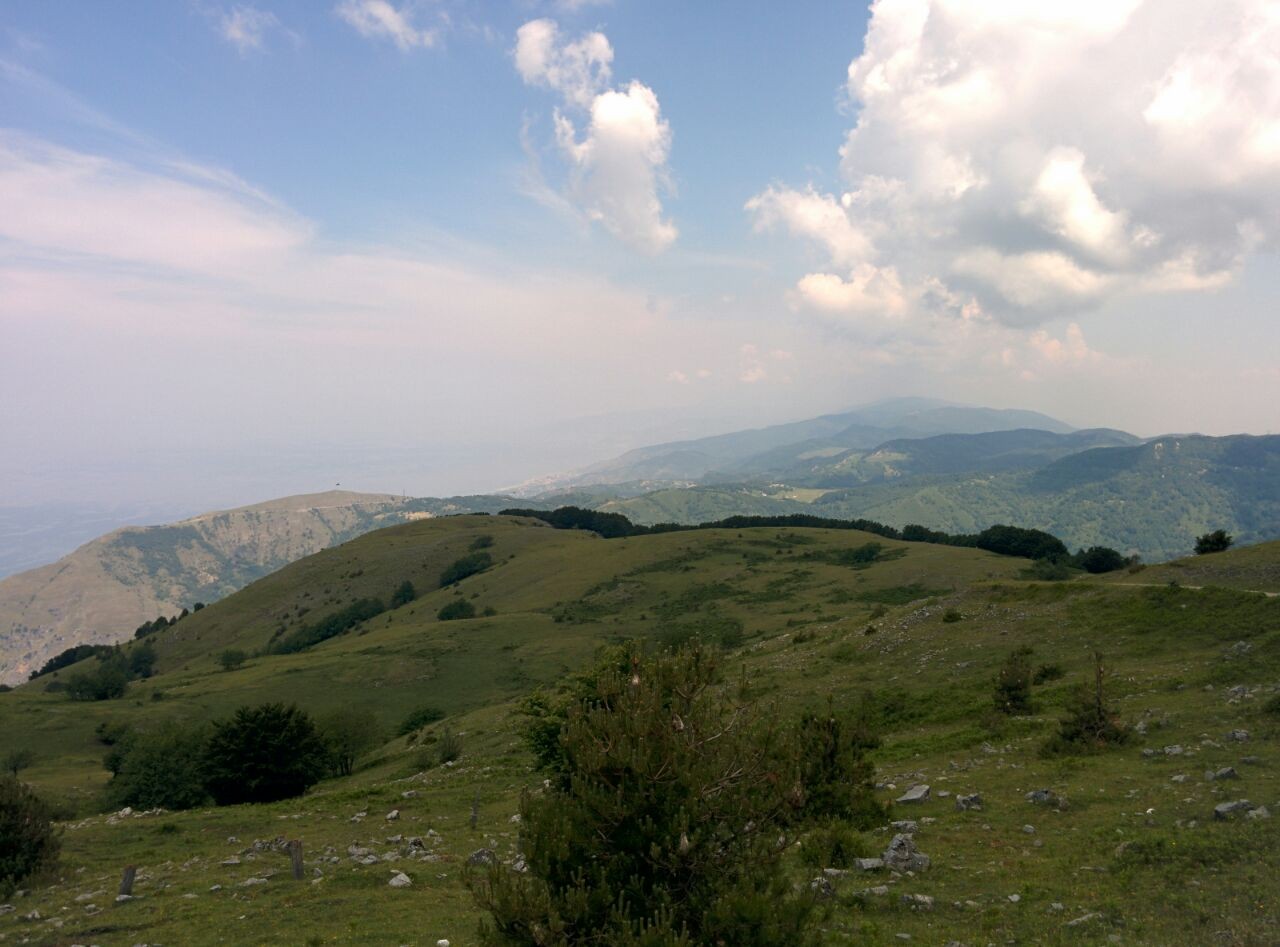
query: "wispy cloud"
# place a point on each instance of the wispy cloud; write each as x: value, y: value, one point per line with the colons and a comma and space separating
x: 379, y: 19
x: 247, y: 28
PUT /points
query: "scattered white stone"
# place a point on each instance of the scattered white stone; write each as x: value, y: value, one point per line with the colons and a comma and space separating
x: 1029, y: 829
x: 400, y: 880
x: 393, y: 815
x: 917, y: 793
x: 1084, y: 919
x: 1015, y: 898
x: 250, y: 882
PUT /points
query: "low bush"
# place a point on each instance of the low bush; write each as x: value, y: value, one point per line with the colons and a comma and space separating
x: 419, y: 719
x: 456, y: 609
x: 158, y: 768
x: 467, y: 566
x: 28, y: 839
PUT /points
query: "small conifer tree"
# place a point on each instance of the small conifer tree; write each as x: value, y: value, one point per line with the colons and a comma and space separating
x: 1013, y: 683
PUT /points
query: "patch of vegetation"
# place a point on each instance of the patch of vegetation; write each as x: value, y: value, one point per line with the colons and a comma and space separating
x: 458, y: 608
x: 28, y: 838
x: 419, y: 719
x: 343, y: 620
x: 469, y: 565
x: 1013, y: 683
x: 263, y: 754
x: 897, y: 595
x: 1090, y: 725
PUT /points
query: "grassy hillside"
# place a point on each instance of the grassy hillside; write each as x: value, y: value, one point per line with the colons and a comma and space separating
x: 1134, y: 848
x: 103, y: 591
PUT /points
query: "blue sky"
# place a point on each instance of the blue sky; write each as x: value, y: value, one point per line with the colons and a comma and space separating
x: 455, y: 244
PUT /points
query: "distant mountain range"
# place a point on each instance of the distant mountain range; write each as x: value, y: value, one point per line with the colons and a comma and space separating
x: 746, y: 453
x: 944, y: 466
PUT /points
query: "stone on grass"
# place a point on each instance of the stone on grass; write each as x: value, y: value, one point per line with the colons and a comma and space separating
x: 400, y: 880
x: 905, y: 825
x: 1225, y: 810
x: 1045, y: 797
x: 917, y: 793
x: 393, y: 815
x: 964, y: 803
x: 917, y: 901
x: 1261, y: 812
x: 1239, y: 736
x: 822, y: 888
x: 482, y: 856
x: 868, y: 864
x: 1084, y: 919
x: 902, y: 855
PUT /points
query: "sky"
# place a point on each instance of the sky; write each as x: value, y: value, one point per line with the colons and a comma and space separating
x: 442, y: 246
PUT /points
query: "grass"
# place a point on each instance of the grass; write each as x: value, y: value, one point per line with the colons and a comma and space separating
x: 1132, y: 845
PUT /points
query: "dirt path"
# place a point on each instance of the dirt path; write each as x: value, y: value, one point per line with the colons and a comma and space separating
x: 1163, y: 585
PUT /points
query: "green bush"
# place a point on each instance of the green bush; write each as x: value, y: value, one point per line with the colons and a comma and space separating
x: 468, y: 565
x: 1089, y: 725
x: 481, y: 542
x: 833, y: 844
x: 449, y: 749
x: 1013, y: 683
x: 28, y: 840
x: 232, y: 658
x: 107, y: 680
x: 1217, y: 541
x: 1099, y: 559
x: 15, y: 761
x: 951, y: 616
x: 330, y: 626
x: 159, y: 768
x: 1046, y: 673
x: 263, y: 754
x: 348, y: 734
x: 671, y: 809
x: 456, y: 609
x: 403, y: 595
x: 419, y: 719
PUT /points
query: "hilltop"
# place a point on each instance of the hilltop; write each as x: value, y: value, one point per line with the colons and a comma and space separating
x: 909, y: 636
x: 105, y: 589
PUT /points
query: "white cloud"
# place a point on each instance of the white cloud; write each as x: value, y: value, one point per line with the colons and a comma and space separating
x: 578, y: 70
x: 246, y: 28
x: 1039, y: 159
x: 379, y: 19
x: 618, y: 165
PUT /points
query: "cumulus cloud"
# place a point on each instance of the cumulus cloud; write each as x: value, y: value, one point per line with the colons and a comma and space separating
x: 379, y: 19
x: 246, y: 28
x: 1037, y: 160
x: 617, y: 164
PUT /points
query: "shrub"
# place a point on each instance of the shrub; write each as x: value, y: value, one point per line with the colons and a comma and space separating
x: 1013, y: 683
x: 142, y: 660
x: 952, y: 615
x: 348, y: 733
x: 468, y: 565
x: 458, y: 608
x: 419, y: 719
x: 1046, y: 673
x: 1089, y: 725
x: 107, y: 680
x: 161, y: 768
x: 481, y: 542
x: 1217, y: 541
x: 15, y: 761
x: 28, y: 840
x: 330, y: 626
x: 1098, y: 559
x: 449, y: 749
x: 1016, y: 541
x: 403, y: 595
x: 669, y: 815
x: 232, y: 658
x: 263, y: 754
x: 833, y: 844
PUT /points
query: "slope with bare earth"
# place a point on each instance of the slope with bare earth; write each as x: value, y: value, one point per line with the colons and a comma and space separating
x: 107, y: 587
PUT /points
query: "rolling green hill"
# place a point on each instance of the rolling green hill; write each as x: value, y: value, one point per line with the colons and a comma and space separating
x: 105, y: 589
x: 910, y: 641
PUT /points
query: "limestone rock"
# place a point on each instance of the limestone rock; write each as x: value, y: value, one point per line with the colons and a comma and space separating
x: 917, y: 793
x: 902, y: 855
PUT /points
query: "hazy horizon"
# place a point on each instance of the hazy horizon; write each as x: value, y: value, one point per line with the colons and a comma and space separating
x: 249, y: 250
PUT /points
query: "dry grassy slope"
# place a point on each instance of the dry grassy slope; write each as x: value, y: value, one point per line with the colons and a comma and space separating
x: 106, y: 588
x: 1250, y: 568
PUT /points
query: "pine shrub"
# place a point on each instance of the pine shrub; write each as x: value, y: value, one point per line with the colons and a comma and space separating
x: 28, y: 839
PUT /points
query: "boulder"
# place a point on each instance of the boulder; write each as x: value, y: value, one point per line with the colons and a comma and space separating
x: 400, y: 880
x: 1226, y: 810
x: 965, y: 803
x: 919, y: 902
x: 868, y: 864
x: 1045, y: 797
x: 482, y: 856
x: 905, y: 825
x: 902, y: 855
x: 917, y: 793
x: 1239, y: 736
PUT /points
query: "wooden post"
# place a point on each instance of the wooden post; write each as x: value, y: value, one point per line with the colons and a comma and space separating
x: 126, y: 881
x: 475, y: 809
x: 295, y: 855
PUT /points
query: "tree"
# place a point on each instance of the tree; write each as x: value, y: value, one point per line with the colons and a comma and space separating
x: 142, y: 660
x: 403, y: 595
x: 668, y: 819
x: 1217, y: 541
x: 1089, y: 724
x: 348, y: 733
x: 158, y: 768
x: 17, y: 760
x: 1098, y: 559
x: 28, y: 840
x: 1013, y: 683
x: 107, y: 680
x: 264, y: 754
x: 458, y: 608
x: 469, y: 565
x: 231, y: 659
